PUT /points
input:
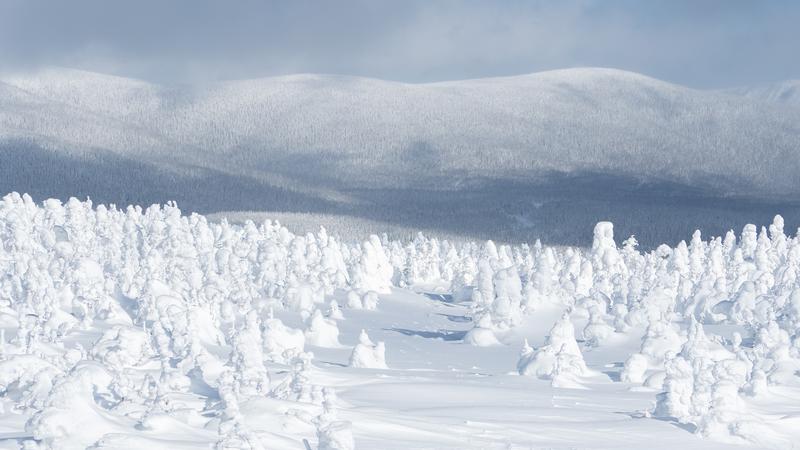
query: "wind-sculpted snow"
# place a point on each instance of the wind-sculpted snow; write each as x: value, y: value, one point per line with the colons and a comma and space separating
x: 131, y: 328
x: 535, y: 156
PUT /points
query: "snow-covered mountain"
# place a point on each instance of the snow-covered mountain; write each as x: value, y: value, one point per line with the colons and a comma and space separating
x: 786, y: 92
x: 348, y: 145
x: 160, y: 329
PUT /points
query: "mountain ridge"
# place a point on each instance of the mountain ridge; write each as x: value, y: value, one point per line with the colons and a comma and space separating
x: 785, y: 92
x: 353, y: 141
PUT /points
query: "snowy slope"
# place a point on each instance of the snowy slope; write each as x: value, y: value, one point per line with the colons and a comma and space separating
x: 351, y: 146
x: 157, y: 330
x: 569, y: 120
x: 786, y: 92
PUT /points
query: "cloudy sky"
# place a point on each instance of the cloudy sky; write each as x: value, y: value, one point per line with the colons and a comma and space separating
x: 712, y: 43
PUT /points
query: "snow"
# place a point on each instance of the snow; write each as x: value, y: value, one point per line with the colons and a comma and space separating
x: 544, y: 155
x: 152, y: 328
x: 559, y: 359
x: 322, y: 332
x: 786, y: 92
x: 368, y: 355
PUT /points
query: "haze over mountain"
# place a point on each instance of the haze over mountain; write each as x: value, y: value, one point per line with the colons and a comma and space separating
x: 541, y: 155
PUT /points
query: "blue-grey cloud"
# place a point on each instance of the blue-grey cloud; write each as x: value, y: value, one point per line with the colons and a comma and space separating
x: 712, y: 43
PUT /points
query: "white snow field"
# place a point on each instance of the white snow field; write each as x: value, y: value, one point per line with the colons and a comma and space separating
x: 544, y: 155
x: 145, y: 328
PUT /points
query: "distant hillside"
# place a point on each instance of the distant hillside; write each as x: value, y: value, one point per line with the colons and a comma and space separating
x: 786, y: 92
x: 419, y: 154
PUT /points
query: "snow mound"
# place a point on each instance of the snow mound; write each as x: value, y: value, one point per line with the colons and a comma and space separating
x: 322, y: 332
x: 367, y: 355
x: 559, y: 360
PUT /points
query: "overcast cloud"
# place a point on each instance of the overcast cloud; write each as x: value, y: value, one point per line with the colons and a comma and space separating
x: 698, y: 43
